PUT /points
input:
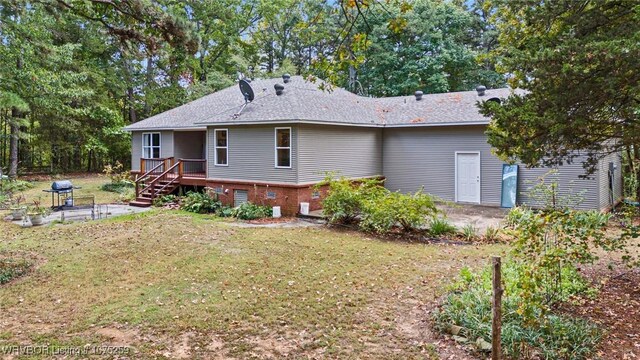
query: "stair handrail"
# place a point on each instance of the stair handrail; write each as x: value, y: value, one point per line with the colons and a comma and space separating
x: 161, y: 176
x: 144, y: 176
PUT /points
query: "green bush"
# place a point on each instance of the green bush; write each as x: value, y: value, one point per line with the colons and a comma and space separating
x: 200, y: 203
x: 14, y: 186
x: 345, y: 198
x: 13, y: 268
x: 119, y: 187
x: 225, y: 211
x: 411, y: 211
x: 492, y: 233
x: 552, y: 336
x: 547, y: 242
x: 440, y: 226
x: 127, y: 195
x: 249, y: 211
x: 469, y: 232
x: 165, y: 199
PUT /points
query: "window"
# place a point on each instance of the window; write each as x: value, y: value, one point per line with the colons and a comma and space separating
x: 151, y: 145
x: 271, y: 194
x: 222, y: 147
x: 283, y: 147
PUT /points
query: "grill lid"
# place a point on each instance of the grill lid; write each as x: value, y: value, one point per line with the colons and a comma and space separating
x: 61, y: 185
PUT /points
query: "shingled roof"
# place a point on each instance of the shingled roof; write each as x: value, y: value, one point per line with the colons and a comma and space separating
x: 304, y: 101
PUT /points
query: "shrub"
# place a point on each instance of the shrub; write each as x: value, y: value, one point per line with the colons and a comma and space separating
x: 469, y: 232
x: 546, y: 243
x: 440, y: 226
x: 14, y: 186
x: 117, y: 173
x: 225, y: 211
x: 120, y: 179
x: 249, y: 211
x: 345, y: 198
x: 553, y: 336
x: 411, y: 211
x: 165, y: 199
x: 13, y: 268
x: 491, y: 233
x: 127, y: 195
x: 200, y: 203
x: 120, y: 188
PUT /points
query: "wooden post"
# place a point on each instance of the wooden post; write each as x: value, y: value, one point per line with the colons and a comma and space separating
x: 180, y: 168
x: 496, y: 325
x: 142, y: 169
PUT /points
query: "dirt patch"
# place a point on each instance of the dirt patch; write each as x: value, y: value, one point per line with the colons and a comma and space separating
x: 616, y: 310
x: 271, y: 347
x: 417, y: 326
x: 118, y: 336
x: 275, y: 223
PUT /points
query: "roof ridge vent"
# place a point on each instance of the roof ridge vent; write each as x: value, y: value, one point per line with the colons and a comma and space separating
x: 418, y: 94
x: 481, y: 90
x: 279, y: 89
x: 286, y: 78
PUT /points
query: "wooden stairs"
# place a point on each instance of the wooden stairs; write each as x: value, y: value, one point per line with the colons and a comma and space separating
x: 163, y: 179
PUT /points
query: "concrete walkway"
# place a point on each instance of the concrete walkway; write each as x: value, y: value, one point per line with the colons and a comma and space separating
x: 480, y: 217
x: 460, y: 215
x: 99, y: 211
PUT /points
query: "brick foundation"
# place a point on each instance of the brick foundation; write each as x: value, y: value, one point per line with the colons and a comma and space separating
x: 287, y: 196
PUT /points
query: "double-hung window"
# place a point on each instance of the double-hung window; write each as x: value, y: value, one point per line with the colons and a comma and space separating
x: 151, y: 145
x: 222, y: 147
x: 283, y: 147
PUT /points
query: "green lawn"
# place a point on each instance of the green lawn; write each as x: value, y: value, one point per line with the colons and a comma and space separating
x: 172, y: 284
x: 90, y: 185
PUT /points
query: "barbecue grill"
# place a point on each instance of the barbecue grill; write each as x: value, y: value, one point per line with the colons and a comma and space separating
x: 64, y: 188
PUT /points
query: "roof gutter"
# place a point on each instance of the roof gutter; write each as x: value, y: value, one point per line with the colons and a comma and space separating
x: 316, y: 122
x: 184, y: 128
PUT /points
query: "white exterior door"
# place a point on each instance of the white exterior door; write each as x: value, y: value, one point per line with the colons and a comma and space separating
x: 468, y: 177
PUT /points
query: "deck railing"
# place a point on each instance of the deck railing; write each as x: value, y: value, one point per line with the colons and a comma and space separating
x: 160, y: 182
x: 146, y: 164
x: 157, y: 174
x: 193, y: 167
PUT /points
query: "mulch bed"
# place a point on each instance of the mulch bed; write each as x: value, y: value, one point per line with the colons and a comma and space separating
x: 616, y: 310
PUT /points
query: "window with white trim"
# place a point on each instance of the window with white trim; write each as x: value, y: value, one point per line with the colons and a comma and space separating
x: 283, y: 147
x: 151, y: 145
x: 221, y: 147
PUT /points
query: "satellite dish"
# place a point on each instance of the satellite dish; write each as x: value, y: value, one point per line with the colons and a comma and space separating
x: 246, y: 90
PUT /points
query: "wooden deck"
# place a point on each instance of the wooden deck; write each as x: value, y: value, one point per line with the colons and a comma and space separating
x: 163, y: 176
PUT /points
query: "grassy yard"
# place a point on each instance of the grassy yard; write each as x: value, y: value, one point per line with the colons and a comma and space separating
x: 90, y: 185
x: 176, y: 285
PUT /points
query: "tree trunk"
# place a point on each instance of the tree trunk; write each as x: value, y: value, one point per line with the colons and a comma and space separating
x: 13, y: 144
x: 147, y: 106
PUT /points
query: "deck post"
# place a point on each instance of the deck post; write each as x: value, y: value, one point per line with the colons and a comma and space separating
x: 180, y: 168
x: 496, y: 325
x: 142, y: 169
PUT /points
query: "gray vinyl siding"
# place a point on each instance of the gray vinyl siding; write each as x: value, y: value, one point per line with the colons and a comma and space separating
x: 189, y: 144
x: 349, y: 151
x: 603, y: 179
x: 166, y: 146
x: 251, y: 155
x: 425, y: 157
x: 580, y: 191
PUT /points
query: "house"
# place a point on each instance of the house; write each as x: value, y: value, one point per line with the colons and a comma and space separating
x: 274, y: 149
